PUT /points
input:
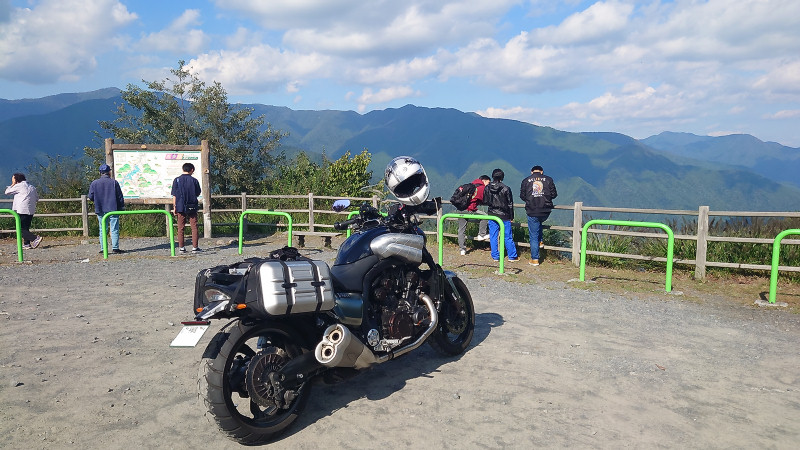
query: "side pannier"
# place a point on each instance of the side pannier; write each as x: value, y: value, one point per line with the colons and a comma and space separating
x: 276, y: 287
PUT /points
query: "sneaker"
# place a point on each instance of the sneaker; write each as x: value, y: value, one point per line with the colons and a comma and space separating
x: 35, y: 243
x: 482, y: 237
x: 26, y: 246
x: 541, y: 244
x: 463, y: 252
x: 496, y: 260
x: 182, y: 249
x: 534, y: 262
x: 513, y: 259
x: 196, y: 249
x: 117, y: 251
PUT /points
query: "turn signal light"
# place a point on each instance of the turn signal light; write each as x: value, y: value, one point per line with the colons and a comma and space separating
x: 199, y: 310
x: 241, y: 306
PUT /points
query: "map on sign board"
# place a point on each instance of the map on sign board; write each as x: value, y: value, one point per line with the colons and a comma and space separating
x: 149, y: 173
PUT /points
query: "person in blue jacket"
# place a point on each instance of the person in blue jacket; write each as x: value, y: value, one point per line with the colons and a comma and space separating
x: 185, y: 190
x: 106, y: 194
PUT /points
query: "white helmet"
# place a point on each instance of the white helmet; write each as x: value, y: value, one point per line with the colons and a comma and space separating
x: 406, y: 179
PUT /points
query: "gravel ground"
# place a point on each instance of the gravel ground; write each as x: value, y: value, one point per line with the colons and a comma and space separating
x: 85, y: 362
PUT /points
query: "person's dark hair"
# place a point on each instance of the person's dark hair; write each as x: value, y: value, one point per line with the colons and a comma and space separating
x: 484, y: 177
x: 498, y: 175
x: 535, y: 168
x: 188, y: 167
x: 19, y: 177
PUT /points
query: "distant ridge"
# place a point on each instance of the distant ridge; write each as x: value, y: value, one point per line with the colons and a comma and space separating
x: 27, y: 107
x: 668, y: 171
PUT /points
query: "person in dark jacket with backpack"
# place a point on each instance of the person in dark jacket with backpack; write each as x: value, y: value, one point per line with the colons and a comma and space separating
x: 538, y: 192
x: 497, y: 196
x: 106, y: 194
x: 185, y: 190
x: 472, y: 208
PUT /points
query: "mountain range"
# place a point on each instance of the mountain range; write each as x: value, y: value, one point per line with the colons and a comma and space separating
x: 666, y: 171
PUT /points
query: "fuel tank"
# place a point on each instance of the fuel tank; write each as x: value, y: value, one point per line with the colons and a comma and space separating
x: 362, y: 250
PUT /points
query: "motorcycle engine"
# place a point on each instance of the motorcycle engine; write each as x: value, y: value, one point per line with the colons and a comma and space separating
x: 395, y: 309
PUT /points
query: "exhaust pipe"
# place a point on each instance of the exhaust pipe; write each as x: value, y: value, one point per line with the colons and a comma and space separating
x: 339, y: 348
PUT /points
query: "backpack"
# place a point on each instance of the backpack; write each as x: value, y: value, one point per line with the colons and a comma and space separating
x: 463, y: 195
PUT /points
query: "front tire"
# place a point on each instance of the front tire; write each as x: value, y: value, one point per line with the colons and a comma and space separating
x: 456, y: 321
x: 228, y: 380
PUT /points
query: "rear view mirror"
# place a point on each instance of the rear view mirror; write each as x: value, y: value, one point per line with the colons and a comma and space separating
x: 341, y: 205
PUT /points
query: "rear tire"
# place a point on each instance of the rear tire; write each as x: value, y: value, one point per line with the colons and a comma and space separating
x: 223, y: 385
x: 456, y: 321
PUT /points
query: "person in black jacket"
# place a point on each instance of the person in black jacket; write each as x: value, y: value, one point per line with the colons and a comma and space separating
x: 538, y: 192
x: 497, y: 196
x: 185, y: 190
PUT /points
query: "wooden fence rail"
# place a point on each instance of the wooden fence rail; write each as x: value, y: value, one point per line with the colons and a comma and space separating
x: 701, y: 217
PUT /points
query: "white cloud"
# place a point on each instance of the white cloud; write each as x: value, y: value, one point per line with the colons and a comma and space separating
x: 785, y: 114
x: 368, y: 96
x: 179, y: 36
x: 259, y: 68
x: 598, y: 22
x: 516, y: 113
x: 379, y: 29
x: 59, y: 40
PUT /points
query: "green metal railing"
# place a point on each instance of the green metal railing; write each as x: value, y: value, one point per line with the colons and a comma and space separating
x: 670, y: 242
x: 18, y: 228
x: 501, y: 237
x: 776, y: 252
x: 263, y: 212
x: 104, y: 233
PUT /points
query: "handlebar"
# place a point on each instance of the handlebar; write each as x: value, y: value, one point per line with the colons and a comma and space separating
x: 341, y: 226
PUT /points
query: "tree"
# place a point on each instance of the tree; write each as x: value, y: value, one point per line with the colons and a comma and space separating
x: 183, y: 110
x: 346, y: 176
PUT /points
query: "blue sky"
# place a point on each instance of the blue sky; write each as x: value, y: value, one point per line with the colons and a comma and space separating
x: 636, y: 67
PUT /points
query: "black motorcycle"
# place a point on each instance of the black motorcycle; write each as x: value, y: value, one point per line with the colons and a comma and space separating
x: 296, y: 320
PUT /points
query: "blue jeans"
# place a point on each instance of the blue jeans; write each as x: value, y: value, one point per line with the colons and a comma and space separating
x: 113, y: 227
x: 536, y: 234
x: 494, y: 232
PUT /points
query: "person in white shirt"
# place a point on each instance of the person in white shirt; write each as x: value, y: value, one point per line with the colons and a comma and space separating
x: 25, y: 198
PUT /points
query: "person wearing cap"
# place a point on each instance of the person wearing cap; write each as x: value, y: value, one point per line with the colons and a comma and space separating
x: 25, y: 198
x: 537, y: 191
x: 106, y: 194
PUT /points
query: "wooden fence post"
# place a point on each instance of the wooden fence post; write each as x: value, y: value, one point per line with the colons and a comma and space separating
x: 205, y: 154
x: 85, y: 214
x: 702, y: 244
x: 577, y: 226
x: 244, y: 208
x: 375, y: 201
x: 310, y: 211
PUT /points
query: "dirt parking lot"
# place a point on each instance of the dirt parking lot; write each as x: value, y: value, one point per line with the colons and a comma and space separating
x: 85, y: 362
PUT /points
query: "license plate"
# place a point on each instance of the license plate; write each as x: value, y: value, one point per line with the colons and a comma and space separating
x: 189, y: 336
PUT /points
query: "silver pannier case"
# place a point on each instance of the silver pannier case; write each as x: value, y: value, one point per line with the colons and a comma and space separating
x: 293, y: 287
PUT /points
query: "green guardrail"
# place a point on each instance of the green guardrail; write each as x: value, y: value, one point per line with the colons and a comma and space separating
x: 18, y: 227
x: 501, y: 237
x: 670, y: 242
x: 776, y: 252
x: 263, y: 212
x: 104, y: 232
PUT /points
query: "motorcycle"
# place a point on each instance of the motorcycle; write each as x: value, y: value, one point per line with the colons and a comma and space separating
x: 296, y: 320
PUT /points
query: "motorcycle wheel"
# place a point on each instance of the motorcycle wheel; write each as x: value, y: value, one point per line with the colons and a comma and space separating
x: 456, y: 322
x: 226, y: 379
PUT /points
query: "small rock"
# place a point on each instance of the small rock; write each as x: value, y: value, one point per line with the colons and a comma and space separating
x: 456, y: 396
